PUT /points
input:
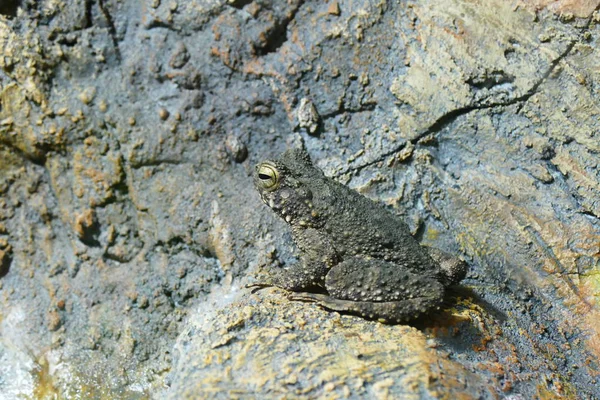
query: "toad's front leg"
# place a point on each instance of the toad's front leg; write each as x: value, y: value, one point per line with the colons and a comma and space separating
x: 318, y: 256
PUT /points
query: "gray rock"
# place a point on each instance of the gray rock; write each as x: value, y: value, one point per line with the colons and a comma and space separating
x: 129, y: 232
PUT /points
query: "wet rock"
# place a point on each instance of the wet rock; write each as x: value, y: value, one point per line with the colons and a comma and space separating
x: 86, y: 227
x: 5, y: 259
x: 53, y: 320
x: 307, y: 115
x: 475, y: 122
x: 163, y: 113
x: 319, y: 354
x: 236, y: 148
x: 180, y: 56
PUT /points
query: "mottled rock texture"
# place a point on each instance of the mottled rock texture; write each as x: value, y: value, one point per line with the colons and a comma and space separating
x: 129, y: 221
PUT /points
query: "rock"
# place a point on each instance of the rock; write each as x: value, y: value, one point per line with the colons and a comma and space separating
x: 307, y: 115
x: 304, y: 351
x: 334, y: 8
x: 86, y: 226
x: 5, y: 260
x: 476, y: 122
x: 236, y: 148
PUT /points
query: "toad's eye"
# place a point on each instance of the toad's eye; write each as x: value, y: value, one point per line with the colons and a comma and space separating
x: 268, y: 176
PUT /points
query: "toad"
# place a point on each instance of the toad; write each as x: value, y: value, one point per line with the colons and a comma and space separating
x: 356, y: 256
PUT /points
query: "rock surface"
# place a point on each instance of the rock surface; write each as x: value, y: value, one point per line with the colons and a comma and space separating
x: 128, y: 220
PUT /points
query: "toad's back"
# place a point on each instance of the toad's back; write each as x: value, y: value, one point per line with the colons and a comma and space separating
x: 357, y: 225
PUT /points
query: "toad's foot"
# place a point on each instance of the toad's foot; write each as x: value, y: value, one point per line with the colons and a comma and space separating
x: 308, y: 297
x: 256, y: 286
x: 386, y: 312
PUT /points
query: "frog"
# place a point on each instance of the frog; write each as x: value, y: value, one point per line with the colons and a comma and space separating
x: 356, y: 255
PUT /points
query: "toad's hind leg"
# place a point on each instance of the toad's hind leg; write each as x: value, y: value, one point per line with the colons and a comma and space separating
x: 391, y: 311
x: 378, y: 290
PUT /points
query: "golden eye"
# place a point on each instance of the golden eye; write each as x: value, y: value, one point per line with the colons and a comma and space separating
x: 268, y: 176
